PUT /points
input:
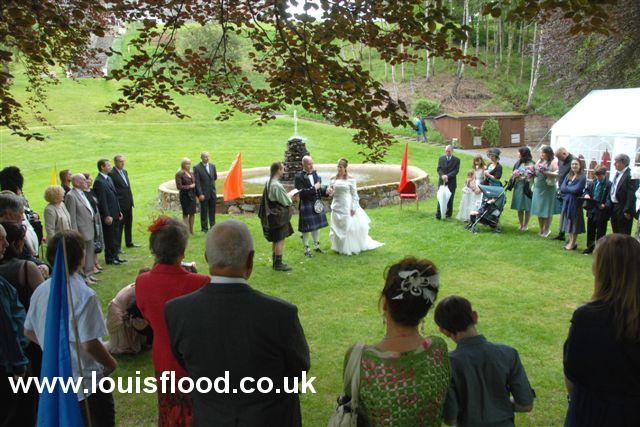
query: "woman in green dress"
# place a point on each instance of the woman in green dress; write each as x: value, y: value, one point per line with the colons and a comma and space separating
x: 544, y: 201
x: 275, y: 215
x: 404, y: 377
x: 521, y: 176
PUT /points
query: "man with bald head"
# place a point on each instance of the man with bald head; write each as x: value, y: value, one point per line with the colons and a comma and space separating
x: 227, y: 326
x: 312, y: 213
x: 205, y: 176
x: 83, y: 221
x: 120, y: 178
x: 448, y: 168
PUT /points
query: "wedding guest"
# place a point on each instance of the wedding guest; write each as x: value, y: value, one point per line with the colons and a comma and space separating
x: 421, y: 130
x: 489, y: 383
x: 110, y: 213
x: 56, y: 215
x: 471, y: 198
x: 596, y: 194
x: 185, y: 183
x: 479, y: 167
x: 227, y: 326
x: 120, y: 178
x: 564, y: 167
x: 165, y: 281
x: 82, y: 219
x: 25, y: 277
x: 310, y: 190
x: 19, y: 409
x: 65, y: 180
x: 543, y: 201
x: 448, y: 168
x: 98, y: 241
x: 572, y: 220
x: 205, y: 175
x: 622, y: 201
x: 419, y: 364
x: 125, y: 329
x: 275, y: 215
x: 96, y: 360
x: 602, y: 351
x: 12, y: 181
x: 493, y: 173
x: 521, y: 201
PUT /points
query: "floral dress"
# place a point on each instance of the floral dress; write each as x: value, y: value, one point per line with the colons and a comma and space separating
x: 404, y: 389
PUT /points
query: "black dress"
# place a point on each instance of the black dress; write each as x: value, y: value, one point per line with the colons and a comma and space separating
x: 187, y: 195
x: 605, y: 371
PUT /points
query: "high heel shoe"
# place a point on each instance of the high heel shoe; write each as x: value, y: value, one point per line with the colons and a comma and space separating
x: 573, y: 248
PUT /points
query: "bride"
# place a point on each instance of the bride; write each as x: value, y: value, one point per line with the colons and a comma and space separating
x: 349, y: 223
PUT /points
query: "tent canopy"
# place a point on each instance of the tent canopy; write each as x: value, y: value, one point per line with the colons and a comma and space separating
x: 613, y: 112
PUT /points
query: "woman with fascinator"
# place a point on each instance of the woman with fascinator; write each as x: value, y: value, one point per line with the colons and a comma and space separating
x: 349, y: 233
x: 403, y: 379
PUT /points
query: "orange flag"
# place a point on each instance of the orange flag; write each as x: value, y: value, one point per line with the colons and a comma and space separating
x: 233, y: 183
x: 403, y: 168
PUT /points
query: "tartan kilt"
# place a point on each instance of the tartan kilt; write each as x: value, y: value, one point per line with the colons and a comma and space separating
x: 308, y: 219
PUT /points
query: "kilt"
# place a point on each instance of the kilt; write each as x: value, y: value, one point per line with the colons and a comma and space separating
x: 309, y: 220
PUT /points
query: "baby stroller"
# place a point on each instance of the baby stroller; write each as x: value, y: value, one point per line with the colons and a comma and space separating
x: 493, y: 201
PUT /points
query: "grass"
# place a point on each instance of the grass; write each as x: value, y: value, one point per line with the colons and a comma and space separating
x: 524, y: 287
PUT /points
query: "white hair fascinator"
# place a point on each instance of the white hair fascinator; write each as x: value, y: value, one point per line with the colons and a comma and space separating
x: 415, y: 283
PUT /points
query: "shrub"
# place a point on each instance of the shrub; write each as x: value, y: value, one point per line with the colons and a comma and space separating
x: 491, y: 132
x: 426, y: 108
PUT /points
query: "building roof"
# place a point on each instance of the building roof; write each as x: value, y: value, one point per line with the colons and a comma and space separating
x: 479, y: 115
x: 613, y: 112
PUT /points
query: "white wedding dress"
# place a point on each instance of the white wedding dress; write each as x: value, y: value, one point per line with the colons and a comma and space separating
x: 349, y: 235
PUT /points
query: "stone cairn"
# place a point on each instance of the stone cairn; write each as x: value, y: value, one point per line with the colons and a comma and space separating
x: 296, y: 150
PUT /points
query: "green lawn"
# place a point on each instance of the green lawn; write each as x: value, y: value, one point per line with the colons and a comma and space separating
x: 524, y: 287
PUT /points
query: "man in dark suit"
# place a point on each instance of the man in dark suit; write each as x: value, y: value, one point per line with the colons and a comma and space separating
x: 622, y: 200
x: 205, y: 175
x: 564, y: 167
x: 596, y: 194
x: 109, y: 208
x: 228, y: 327
x: 309, y: 184
x: 120, y: 178
x: 448, y: 168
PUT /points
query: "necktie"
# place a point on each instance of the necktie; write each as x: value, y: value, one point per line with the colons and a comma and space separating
x: 124, y: 178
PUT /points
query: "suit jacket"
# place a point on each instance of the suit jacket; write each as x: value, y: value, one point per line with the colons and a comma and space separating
x: 625, y: 195
x: 205, y: 182
x: 592, y: 206
x: 81, y: 213
x: 308, y: 192
x: 232, y: 327
x: 123, y: 189
x: 564, y: 167
x: 105, y: 191
x: 56, y: 219
x: 449, y: 168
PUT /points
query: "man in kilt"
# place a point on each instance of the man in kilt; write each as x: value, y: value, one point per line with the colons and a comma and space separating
x: 309, y: 185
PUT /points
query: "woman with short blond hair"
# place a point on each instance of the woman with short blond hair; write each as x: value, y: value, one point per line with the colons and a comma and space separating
x: 602, y: 352
x: 56, y: 215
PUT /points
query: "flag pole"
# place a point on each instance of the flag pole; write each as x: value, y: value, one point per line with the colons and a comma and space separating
x: 74, y: 322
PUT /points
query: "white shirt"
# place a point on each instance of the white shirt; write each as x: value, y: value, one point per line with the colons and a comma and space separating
x: 313, y: 181
x: 81, y: 195
x: 124, y: 177
x: 90, y: 324
x: 104, y: 175
x: 31, y: 238
x: 224, y: 280
x: 206, y: 167
x: 614, y: 187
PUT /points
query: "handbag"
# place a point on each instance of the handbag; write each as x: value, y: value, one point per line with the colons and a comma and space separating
x: 97, y: 242
x: 346, y: 414
x: 526, y: 190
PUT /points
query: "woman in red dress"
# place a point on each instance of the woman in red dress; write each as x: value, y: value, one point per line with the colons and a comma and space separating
x: 165, y: 281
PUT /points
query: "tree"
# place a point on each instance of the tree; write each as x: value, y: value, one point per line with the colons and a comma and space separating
x: 460, y: 66
x: 298, y: 55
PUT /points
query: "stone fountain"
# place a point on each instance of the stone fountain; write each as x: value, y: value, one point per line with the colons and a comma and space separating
x: 296, y: 150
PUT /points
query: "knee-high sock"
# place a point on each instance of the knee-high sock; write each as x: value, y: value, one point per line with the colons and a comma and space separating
x: 305, y: 239
x: 316, y: 236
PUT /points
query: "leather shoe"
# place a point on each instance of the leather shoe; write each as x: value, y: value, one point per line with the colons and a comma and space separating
x: 133, y: 245
x: 558, y: 237
x: 587, y: 251
x: 121, y: 261
x: 114, y: 262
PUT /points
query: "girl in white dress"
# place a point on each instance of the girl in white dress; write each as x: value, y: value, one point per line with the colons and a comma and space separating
x: 471, y: 198
x: 349, y: 233
x: 479, y: 167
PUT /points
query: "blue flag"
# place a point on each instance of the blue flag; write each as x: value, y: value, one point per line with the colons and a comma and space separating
x: 58, y: 409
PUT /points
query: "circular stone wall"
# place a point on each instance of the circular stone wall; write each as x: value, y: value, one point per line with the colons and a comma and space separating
x: 371, y: 195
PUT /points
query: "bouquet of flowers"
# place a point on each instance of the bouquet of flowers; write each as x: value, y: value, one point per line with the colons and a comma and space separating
x: 517, y: 174
x: 530, y: 172
x: 541, y: 168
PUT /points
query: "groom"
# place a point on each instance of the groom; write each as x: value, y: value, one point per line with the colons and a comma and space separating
x: 448, y: 168
x: 309, y: 185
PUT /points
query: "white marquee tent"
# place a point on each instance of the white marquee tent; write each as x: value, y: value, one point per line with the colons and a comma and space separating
x: 603, y: 124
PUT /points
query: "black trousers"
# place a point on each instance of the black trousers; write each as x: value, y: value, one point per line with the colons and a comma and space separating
x: 101, y: 410
x: 596, y: 229
x: 18, y: 409
x: 620, y: 224
x: 208, y: 212
x: 449, y: 205
x: 124, y: 225
x: 109, y: 234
